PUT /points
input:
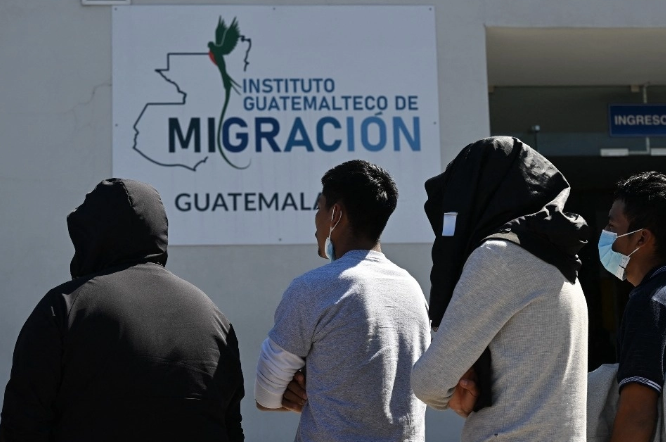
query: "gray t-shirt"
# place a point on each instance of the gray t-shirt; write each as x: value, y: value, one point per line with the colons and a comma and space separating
x: 360, y: 323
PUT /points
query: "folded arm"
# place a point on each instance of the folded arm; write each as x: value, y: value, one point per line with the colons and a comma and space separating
x: 275, y: 369
x: 483, y: 301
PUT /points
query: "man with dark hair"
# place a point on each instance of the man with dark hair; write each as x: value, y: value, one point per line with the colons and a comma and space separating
x: 356, y: 326
x: 633, y: 247
x: 126, y: 350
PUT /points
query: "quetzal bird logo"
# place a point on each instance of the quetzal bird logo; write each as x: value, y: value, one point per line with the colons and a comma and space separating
x: 226, y: 39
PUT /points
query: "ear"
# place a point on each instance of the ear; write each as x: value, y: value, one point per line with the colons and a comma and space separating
x: 336, y: 213
x: 647, y: 237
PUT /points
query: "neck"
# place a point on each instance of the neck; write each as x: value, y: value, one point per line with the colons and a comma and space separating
x: 642, y: 268
x: 356, y: 244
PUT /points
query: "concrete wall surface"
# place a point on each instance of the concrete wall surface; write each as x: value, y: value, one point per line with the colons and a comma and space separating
x: 55, y: 145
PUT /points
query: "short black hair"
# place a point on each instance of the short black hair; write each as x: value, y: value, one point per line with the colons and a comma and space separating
x: 644, y: 198
x: 368, y: 193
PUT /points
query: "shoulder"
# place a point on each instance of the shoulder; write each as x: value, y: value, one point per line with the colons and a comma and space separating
x: 307, y: 286
x: 168, y: 278
x: 314, y: 277
x: 187, y: 293
x: 406, y: 278
x: 658, y: 292
x: 63, y: 296
x: 505, y: 256
x: 497, y: 254
x: 503, y: 249
x: 647, y: 297
x: 395, y: 268
x: 499, y: 248
x: 645, y: 312
x: 502, y: 267
x: 69, y: 287
x: 487, y: 272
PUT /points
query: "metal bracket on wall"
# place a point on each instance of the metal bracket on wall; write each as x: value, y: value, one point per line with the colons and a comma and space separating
x: 105, y: 2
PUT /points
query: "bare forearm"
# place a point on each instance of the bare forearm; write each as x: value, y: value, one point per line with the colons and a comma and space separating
x: 634, y: 428
x: 636, y: 417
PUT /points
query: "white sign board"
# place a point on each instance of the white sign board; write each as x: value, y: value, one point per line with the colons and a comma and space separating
x: 234, y: 113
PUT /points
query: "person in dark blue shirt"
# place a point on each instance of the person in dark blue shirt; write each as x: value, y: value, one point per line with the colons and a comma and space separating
x: 633, y: 247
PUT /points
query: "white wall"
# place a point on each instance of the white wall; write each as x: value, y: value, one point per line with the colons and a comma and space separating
x: 55, y: 145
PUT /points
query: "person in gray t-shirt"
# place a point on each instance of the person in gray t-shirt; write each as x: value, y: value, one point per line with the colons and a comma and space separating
x: 356, y: 326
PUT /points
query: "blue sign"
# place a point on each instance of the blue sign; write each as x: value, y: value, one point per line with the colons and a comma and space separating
x: 637, y: 120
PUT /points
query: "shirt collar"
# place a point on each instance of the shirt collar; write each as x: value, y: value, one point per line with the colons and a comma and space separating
x: 652, y: 273
x: 363, y: 254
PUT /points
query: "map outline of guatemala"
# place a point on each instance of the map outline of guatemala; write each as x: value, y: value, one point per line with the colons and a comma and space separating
x: 226, y: 39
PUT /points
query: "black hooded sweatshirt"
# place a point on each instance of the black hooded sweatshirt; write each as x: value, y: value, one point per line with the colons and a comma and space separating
x: 500, y: 188
x: 126, y: 350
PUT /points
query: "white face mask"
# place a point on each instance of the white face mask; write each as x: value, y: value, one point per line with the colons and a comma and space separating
x: 613, y: 261
x: 328, y: 245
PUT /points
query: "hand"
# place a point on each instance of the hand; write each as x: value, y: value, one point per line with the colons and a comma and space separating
x: 465, y: 394
x: 294, y: 396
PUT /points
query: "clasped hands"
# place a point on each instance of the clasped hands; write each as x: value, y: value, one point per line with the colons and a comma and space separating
x: 462, y: 402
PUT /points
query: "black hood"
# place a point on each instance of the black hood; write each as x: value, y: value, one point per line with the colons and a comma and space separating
x: 120, y: 222
x: 499, y: 185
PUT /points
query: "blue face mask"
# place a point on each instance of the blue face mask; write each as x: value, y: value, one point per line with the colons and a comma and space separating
x: 328, y: 245
x: 616, y: 263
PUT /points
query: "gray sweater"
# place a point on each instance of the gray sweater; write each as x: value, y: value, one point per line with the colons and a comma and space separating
x: 535, y: 323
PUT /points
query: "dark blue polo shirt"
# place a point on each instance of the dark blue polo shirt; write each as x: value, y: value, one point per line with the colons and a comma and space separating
x: 641, y: 341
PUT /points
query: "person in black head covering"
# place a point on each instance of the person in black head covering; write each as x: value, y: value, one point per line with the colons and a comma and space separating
x: 125, y: 350
x: 505, y: 298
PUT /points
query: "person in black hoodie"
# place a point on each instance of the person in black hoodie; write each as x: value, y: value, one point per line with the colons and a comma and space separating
x: 505, y: 296
x: 125, y: 350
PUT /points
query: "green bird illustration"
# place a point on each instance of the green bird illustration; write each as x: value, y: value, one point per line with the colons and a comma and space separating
x: 226, y: 39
